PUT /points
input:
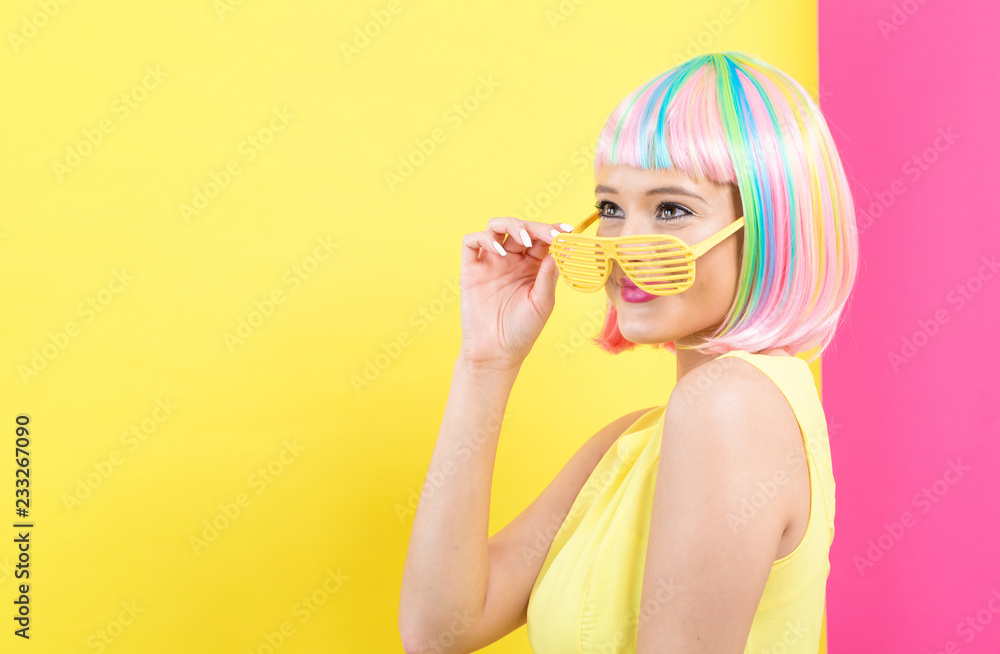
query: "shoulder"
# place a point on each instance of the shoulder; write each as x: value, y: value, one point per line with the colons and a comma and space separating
x: 729, y: 404
x: 726, y: 387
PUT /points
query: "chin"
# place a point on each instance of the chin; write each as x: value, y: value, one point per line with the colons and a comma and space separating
x: 642, y: 334
x: 653, y: 340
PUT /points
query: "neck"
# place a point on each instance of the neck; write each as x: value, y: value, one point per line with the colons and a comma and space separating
x: 688, y: 360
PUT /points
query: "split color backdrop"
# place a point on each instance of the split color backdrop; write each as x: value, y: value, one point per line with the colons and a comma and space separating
x: 230, y: 245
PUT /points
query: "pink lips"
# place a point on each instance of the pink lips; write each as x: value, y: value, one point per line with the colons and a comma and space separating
x: 631, y: 293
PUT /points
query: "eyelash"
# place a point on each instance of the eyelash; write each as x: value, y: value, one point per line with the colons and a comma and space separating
x: 601, y: 204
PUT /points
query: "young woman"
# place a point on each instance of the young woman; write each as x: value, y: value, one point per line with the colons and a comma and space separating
x: 703, y: 525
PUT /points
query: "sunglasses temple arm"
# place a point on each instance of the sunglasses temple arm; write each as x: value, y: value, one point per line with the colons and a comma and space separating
x: 586, y: 222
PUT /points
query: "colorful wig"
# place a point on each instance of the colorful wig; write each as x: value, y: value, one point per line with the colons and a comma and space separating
x: 735, y: 119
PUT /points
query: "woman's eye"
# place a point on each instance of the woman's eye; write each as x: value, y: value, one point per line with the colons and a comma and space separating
x: 667, y: 210
x: 606, y: 210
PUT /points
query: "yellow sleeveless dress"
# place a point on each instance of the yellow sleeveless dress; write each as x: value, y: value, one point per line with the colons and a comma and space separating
x: 586, y: 597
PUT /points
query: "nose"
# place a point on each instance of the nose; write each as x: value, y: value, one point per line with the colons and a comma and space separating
x: 635, y: 226
x: 642, y: 268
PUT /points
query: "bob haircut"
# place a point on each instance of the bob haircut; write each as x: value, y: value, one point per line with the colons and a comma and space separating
x: 735, y: 119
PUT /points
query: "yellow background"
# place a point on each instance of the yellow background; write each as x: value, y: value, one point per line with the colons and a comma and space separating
x: 339, y: 503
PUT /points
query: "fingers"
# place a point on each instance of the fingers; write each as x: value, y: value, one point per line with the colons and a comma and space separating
x: 545, y: 280
x: 478, y: 245
x: 524, y: 232
x: 508, y: 235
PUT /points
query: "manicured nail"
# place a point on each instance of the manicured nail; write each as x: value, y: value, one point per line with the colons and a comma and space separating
x: 568, y: 228
x: 555, y: 232
x: 525, y: 239
x: 500, y: 248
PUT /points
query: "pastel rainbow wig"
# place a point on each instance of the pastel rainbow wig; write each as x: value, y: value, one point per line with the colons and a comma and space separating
x: 734, y: 118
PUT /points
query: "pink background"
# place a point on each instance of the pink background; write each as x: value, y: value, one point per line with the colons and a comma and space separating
x: 896, y: 427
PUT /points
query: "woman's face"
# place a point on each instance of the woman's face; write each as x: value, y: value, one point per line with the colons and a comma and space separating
x: 636, y: 201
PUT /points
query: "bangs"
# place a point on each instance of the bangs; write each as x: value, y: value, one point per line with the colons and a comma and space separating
x: 670, y: 122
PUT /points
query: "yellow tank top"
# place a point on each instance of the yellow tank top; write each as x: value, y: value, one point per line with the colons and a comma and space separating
x: 586, y: 597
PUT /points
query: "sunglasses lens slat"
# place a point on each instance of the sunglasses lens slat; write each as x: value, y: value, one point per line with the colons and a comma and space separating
x: 660, y: 264
x: 581, y: 264
x: 580, y: 261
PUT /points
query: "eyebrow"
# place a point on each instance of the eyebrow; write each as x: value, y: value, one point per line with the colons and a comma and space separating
x: 674, y: 190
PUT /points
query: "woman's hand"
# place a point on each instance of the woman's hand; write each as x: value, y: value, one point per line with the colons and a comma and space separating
x: 508, y: 289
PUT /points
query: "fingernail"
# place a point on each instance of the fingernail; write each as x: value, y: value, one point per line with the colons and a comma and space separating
x: 555, y: 232
x: 568, y: 228
x: 500, y: 248
x: 525, y: 239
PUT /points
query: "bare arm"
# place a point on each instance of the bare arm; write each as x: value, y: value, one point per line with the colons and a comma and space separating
x: 447, y: 560
x: 461, y: 588
x: 507, y: 286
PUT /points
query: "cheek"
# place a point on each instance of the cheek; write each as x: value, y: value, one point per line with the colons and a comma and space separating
x: 717, y: 279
